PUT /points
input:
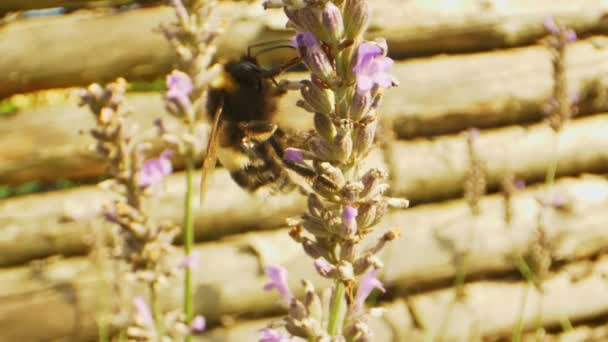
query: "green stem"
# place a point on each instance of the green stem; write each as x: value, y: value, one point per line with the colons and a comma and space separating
x: 156, y: 312
x: 552, y: 170
x: 188, y: 237
x: 336, y: 308
x: 518, y: 328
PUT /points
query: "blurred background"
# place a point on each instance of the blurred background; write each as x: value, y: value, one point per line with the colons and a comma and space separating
x: 469, y: 265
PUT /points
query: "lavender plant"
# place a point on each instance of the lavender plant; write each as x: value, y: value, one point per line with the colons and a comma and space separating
x: 192, y: 37
x: 561, y: 107
x: 140, y: 245
x: 348, y: 76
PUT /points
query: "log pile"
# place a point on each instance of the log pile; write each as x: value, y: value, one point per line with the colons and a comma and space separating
x: 49, y: 279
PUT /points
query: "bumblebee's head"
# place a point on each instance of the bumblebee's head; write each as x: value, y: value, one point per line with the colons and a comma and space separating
x: 245, y: 72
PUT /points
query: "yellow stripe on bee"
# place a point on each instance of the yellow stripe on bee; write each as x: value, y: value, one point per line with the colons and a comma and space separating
x: 225, y: 81
x: 232, y: 159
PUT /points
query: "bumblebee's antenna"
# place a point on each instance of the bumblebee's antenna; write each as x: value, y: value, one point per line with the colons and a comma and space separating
x: 250, y: 47
x: 273, y: 48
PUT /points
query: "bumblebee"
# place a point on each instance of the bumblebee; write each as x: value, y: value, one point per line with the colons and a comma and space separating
x: 242, y: 104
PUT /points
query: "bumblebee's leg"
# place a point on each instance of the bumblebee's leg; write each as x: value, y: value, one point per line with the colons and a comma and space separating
x: 256, y: 132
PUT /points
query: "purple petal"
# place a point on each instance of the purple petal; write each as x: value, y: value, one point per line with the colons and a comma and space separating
x: 294, y: 155
x: 179, y: 83
x: 364, y: 83
x: 305, y: 40
x: 143, y: 311
x: 365, y: 53
x: 190, y: 261
x: 550, y: 25
x: 571, y: 36
x: 384, y: 80
x: 368, y: 283
x: 154, y: 170
x: 323, y: 267
x: 349, y: 213
x: 272, y: 335
x: 372, y: 67
x: 198, y: 324
x: 278, y: 281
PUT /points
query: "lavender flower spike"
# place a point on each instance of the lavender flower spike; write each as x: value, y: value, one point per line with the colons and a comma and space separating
x: 154, y: 170
x: 278, y: 280
x: 372, y: 67
x: 368, y: 283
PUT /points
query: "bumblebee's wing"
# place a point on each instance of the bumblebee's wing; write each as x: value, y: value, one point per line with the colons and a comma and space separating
x: 211, y: 157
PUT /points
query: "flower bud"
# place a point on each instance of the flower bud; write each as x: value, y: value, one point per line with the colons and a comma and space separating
x: 347, y: 251
x: 322, y: 149
x: 325, y: 187
x: 315, y: 206
x: 343, y: 145
x: 312, y: 301
x: 360, y: 105
x: 324, y: 268
x: 320, y: 99
x: 349, y: 222
x: 370, y: 214
x: 297, y: 310
x: 307, y: 19
x: 315, y: 226
x: 350, y: 192
x: 313, y: 56
x: 313, y: 249
x: 364, y: 136
x: 333, y: 173
x: 397, y: 203
x: 324, y: 126
x: 305, y: 105
x: 372, y: 181
x: 333, y: 22
x: 356, y: 18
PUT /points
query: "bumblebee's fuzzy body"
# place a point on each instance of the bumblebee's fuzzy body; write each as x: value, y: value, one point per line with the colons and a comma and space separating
x: 250, y: 146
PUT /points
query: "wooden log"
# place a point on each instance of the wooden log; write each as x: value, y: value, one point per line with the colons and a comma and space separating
x: 450, y: 93
x: 436, y: 96
x: 492, y: 308
x: 231, y: 277
x: 19, y: 5
x: 426, y: 169
x: 132, y: 50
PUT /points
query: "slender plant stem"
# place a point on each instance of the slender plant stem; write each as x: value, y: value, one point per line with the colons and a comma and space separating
x: 188, y: 236
x: 552, y: 170
x: 521, y: 264
x: 336, y: 308
x: 103, y: 332
x: 156, y: 312
x: 518, y: 327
